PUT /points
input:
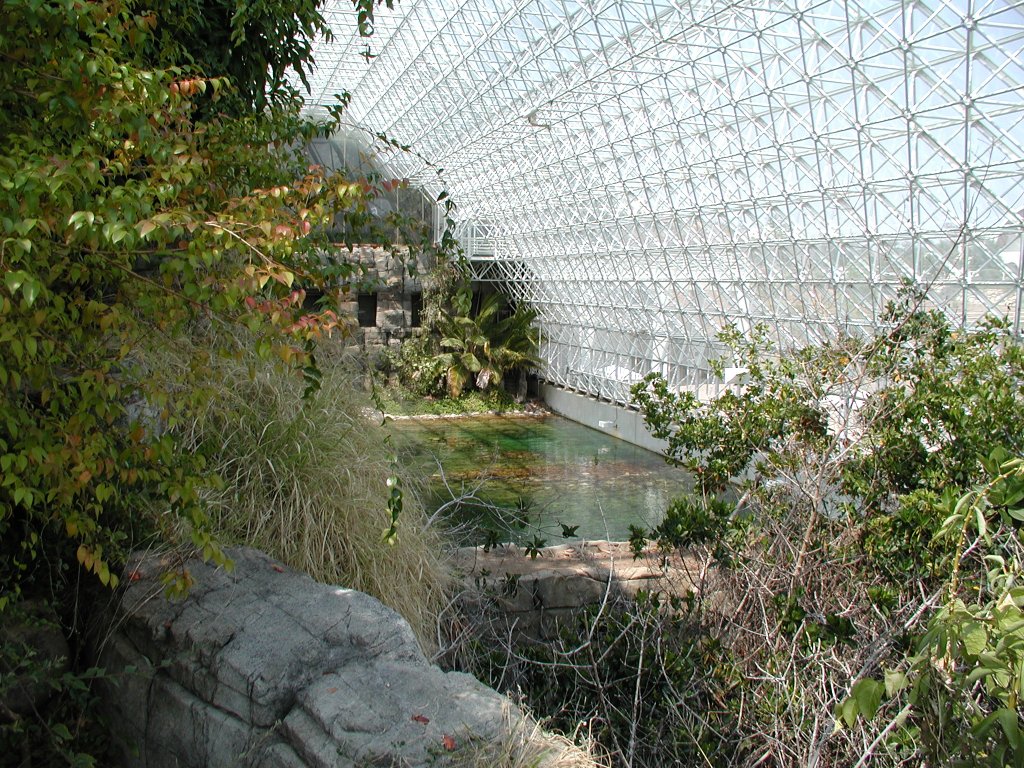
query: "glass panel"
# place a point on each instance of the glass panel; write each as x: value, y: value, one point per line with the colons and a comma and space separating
x: 649, y: 171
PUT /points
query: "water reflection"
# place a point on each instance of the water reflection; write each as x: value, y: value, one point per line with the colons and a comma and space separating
x: 548, y: 469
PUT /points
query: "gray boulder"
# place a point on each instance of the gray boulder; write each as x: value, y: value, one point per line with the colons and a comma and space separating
x: 265, y: 667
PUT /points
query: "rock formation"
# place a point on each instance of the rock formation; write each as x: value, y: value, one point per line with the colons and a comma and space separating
x: 264, y: 667
x: 536, y: 596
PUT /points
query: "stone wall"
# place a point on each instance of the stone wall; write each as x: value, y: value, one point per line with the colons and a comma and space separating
x: 536, y: 596
x: 265, y: 667
x: 387, y: 277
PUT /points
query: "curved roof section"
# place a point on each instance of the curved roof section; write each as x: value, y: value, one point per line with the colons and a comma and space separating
x: 645, y: 172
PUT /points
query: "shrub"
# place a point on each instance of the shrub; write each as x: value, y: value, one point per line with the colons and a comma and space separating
x: 851, y: 457
x: 956, y: 696
x: 631, y: 676
x: 307, y: 480
x: 413, y: 362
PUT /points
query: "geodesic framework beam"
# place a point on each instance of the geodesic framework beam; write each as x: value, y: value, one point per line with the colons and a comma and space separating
x: 645, y: 172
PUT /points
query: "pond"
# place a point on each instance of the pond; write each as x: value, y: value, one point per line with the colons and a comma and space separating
x: 530, y: 475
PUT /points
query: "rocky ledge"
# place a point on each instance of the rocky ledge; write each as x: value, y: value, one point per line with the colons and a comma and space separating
x: 537, y: 595
x: 264, y: 667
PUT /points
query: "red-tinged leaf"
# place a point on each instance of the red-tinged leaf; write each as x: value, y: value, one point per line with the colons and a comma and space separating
x: 277, y: 568
x: 449, y: 742
x: 420, y: 719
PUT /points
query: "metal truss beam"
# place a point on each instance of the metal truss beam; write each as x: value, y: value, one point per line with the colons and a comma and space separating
x: 644, y: 172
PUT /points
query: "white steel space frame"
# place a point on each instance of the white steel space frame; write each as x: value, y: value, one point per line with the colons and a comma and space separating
x: 643, y: 173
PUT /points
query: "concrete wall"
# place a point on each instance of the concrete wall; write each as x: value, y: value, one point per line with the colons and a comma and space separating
x: 610, y: 418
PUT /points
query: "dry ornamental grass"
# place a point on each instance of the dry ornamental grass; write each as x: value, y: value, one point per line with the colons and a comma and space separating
x: 306, y: 481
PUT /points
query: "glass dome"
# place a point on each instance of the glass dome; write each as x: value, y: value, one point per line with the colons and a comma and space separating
x: 643, y: 173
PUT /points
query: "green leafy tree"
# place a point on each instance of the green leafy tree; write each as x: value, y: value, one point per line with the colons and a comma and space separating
x: 134, y: 209
x: 151, y: 186
x: 252, y: 43
x: 840, y: 547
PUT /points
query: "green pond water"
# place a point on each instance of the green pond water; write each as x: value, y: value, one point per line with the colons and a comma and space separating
x: 542, y: 472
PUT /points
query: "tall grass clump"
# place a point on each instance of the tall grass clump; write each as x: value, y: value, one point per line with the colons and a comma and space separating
x: 305, y: 480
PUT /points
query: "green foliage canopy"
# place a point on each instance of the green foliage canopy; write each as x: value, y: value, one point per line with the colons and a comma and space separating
x: 139, y: 199
x: 253, y: 43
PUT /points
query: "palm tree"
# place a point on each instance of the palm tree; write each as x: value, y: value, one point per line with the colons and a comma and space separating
x: 484, y: 347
